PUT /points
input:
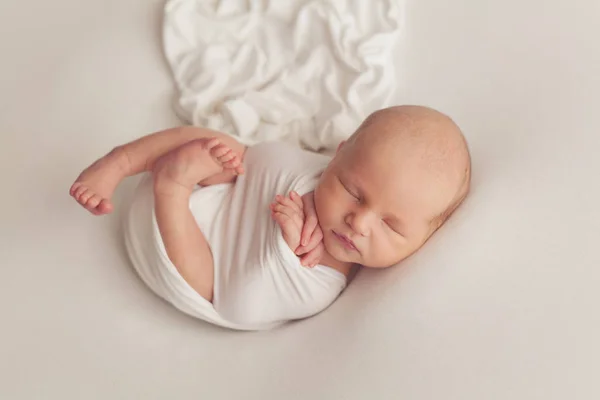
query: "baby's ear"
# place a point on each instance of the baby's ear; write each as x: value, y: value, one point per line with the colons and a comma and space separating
x: 340, y: 145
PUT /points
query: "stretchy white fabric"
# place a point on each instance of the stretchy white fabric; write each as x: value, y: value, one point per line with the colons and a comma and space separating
x: 258, y: 281
x: 307, y: 72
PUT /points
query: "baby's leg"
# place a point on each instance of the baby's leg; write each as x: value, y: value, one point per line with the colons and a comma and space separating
x: 175, y: 175
x: 94, y: 187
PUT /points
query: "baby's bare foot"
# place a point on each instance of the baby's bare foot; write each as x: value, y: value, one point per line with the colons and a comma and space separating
x: 225, y: 156
x: 95, y: 185
x: 179, y: 170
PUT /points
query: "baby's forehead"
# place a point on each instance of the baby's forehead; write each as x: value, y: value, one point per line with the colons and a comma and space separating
x: 400, y: 181
x: 387, y: 157
x: 387, y: 173
x: 410, y: 150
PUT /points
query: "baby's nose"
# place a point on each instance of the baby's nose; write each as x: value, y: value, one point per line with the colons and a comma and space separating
x: 360, y: 221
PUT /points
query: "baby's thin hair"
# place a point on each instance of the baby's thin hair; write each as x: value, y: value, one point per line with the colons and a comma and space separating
x: 416, y: 122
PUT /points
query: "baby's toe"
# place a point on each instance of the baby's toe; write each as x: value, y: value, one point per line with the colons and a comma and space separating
x: 220, y: 150
x: 234, y: 161
x: 105, y: 206
x: 82, y: 194
x: 73, y: 188
x: 85, y: 196
x: 230, y: 155
x: 212, y: 143
x: 93, y: 202
x: 79, y: 191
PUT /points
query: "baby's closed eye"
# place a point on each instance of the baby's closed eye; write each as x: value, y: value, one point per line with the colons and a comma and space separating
x: 349, y: 191
x: 392, y: 225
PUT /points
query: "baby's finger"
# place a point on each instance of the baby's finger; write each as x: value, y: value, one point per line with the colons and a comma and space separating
x: 317, y: 235
x: 309, y: 262
x: 291, y: 214
x: 289, y: 203
x: 297, y: 199
x: 283, y: 221
x: 313, y: 257
x: 309, y: 227
x: 315, y: 239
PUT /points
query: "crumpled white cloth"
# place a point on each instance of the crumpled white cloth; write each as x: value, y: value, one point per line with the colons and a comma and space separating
x: 306, y: 72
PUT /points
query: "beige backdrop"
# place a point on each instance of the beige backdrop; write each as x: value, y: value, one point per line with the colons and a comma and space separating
x: 501, y: 304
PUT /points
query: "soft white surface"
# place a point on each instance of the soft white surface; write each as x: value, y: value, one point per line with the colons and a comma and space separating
x: 308, y: 72
x: 501, y: 304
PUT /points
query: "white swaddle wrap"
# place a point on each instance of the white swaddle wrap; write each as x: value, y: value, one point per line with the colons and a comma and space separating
x: 258, y: 281
x: 303, y: 71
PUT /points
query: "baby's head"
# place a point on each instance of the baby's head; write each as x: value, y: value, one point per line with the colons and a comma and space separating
x: 391, y: 185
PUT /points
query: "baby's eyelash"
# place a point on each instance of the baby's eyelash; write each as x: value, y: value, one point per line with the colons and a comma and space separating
x: 351, y: 194
x: 357, y: 197
x: 390, y: 226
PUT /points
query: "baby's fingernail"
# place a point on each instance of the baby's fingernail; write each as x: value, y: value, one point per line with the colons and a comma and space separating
x: 304, y: 242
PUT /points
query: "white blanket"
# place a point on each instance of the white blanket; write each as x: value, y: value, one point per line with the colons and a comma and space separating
x: 307, y: 72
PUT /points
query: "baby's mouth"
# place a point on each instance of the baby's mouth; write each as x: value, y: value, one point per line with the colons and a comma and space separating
x: 346, y: 242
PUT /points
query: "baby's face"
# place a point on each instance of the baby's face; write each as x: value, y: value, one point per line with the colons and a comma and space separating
x: 376, y: 207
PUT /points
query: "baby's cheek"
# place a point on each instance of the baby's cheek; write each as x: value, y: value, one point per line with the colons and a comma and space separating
x: 329, y: 207
x: 390, y: 250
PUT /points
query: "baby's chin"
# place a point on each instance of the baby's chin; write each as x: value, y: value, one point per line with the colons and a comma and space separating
x: 337, y: 252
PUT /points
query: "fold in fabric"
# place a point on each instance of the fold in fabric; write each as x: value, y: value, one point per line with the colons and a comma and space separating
x: 305, y: 72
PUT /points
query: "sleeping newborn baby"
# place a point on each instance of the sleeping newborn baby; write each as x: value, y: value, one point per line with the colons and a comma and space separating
x: 251, y: 237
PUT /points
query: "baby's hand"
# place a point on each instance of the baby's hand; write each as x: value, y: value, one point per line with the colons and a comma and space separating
x: 311, y: 247
x: 298, y: 221
x: 289, y: 215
